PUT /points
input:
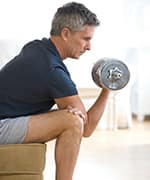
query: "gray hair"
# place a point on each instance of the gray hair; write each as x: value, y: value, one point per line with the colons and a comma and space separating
x: 73, y: 16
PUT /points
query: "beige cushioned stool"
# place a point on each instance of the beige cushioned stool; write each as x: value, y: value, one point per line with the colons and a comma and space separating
x: 22, y: 161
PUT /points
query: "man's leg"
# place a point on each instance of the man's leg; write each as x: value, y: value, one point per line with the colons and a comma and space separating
x: 67, y: 129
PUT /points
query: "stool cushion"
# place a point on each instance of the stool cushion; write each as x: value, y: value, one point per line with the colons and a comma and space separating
x: 22, y: 161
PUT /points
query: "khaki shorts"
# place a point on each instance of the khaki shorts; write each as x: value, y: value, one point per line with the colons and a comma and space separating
x: 13, y: 130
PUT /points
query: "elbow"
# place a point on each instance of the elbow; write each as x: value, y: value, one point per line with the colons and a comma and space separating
x: 87, y: 134
x: 88, y: 130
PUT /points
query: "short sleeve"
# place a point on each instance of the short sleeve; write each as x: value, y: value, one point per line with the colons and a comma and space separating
x: 60, y: 83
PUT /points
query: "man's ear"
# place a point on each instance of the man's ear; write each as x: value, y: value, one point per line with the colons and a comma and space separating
x: 65, y: 33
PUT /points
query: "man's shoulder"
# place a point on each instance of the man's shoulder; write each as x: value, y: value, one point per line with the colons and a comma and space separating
x: 41, y: 46
x: 32, y: 44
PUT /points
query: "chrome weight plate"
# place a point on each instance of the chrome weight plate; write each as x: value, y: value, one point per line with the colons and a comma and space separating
x: 110, y: 73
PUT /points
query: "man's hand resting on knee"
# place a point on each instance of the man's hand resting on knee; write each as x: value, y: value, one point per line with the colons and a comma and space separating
x: 77, y: 112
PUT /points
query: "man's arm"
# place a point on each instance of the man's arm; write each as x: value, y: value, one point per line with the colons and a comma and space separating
x: 95, y: 112
x: 90, y: 117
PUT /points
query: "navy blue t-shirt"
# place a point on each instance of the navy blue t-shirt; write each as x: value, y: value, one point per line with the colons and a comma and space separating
x: 31, y: 80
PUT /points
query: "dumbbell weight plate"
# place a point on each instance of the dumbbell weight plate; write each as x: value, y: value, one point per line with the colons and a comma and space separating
x: 110, y: 73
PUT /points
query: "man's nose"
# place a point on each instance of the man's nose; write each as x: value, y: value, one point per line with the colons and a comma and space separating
x: 88, y: 46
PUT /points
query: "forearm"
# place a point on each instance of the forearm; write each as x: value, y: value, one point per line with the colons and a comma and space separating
x: 95, y: 113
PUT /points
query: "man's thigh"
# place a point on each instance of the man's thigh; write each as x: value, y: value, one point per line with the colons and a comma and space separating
x: 47, y: 126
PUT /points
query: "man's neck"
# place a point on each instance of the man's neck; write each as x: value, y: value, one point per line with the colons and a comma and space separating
x: 58, y: 42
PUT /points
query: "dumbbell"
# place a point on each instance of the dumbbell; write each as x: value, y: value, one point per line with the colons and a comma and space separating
x: 110, y: 73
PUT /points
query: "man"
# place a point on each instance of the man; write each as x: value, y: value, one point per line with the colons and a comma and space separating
x: 37, y: 78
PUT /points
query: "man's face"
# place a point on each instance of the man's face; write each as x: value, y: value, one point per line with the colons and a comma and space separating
x: 79, y: 42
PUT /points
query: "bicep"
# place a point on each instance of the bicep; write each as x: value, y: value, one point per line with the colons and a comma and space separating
x: 73, y: 101
x: 63, y: 90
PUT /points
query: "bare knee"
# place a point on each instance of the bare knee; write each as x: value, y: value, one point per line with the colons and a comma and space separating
x: 75, y: 123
